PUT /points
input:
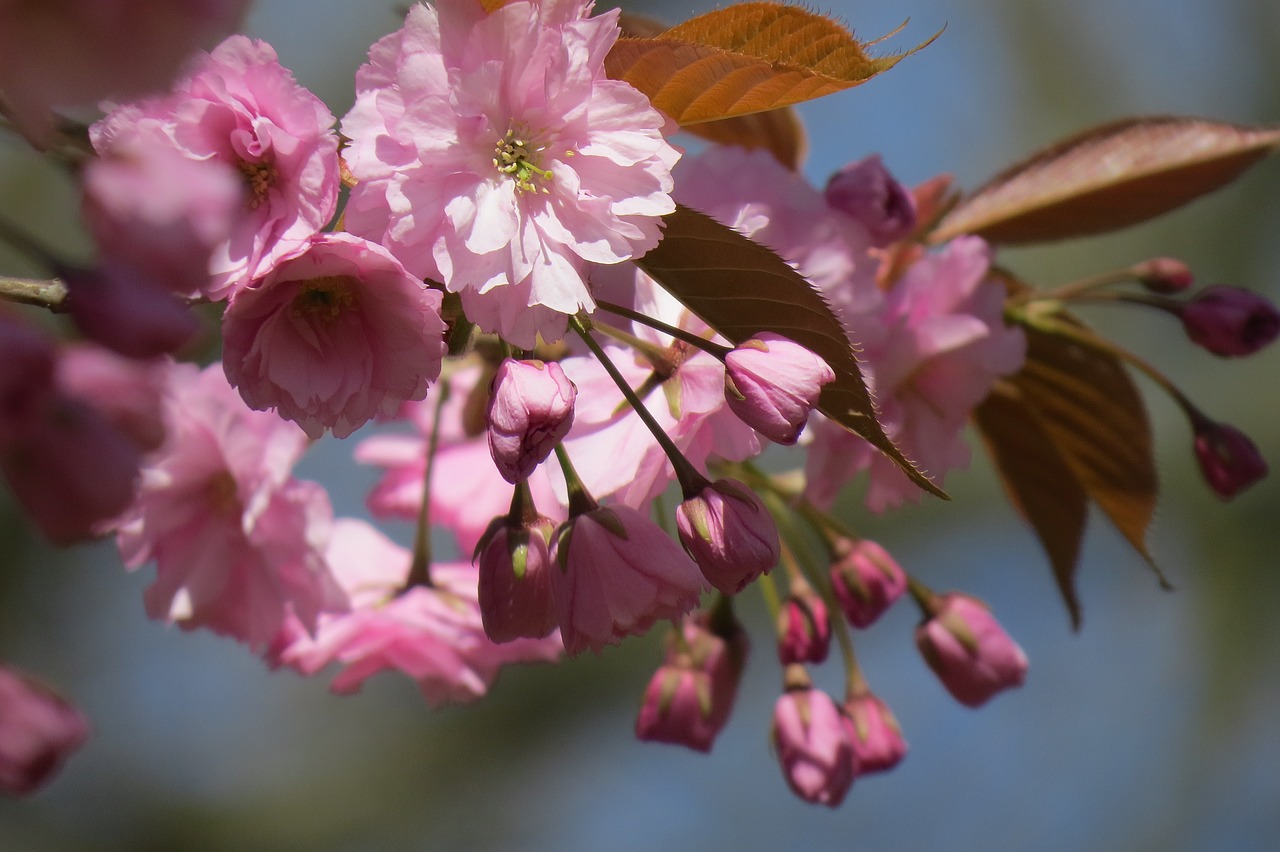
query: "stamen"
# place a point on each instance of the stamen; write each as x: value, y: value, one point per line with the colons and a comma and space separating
x: 515, y: 158
x: 326, y: 298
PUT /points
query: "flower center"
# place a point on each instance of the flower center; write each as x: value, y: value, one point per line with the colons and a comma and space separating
x: 259, y: 177
x: 222, y: 495
x: 515, y: 157
x: 326, y: 298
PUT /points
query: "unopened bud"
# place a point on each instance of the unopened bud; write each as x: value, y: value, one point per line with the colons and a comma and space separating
x: 814, y: 742
x: 1164, y: 275
x: 530, y: 411
x: 866, y: 580
x: 969, y: 651
x: 514, y: 564
x: 867, y: 191
x: 1230, y: 321
x: 1229, y: 461
x: 772, y: 384
x: 804, y: 628
x: 877, y: 739
x: 729, y: 533
x: 38, y: 731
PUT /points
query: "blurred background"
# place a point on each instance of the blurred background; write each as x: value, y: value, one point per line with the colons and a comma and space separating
x: 1154, y: 728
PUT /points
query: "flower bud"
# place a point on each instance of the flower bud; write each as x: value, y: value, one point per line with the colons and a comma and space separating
x: 1230, y: 321
x: 1164, y: 275
x: 38, y: 731
x: 814, y: 743
x: 616, y: 572
x: 515, y: 580
x: 867, y: 191
x: 729, y: 533
x: 689, y: 699
x: 804, y: 628
x: 877, y: 740
x: 866, y: 580
x: 969, y: 651
x: 530, y: 411
x: 1229, y: 461
x: 772, y: 384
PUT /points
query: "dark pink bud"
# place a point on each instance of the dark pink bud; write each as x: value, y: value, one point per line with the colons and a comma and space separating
x: 515, y: 580
x: 26, y: 380
x: 1230, y: 321
x: 969, y: 651
x: 1164, y: 275
x: 877, y: 739
x: 38, y: 731
x: 813, y: 739
x: 127, y: 311
x: 530, y: 411
x: 804, y: 629
x: 729, y: 533
x: 867, y: 191
x: 689, y: 699
x: 866, y: 580
x: 1229, y: 461
x: 772, y: 384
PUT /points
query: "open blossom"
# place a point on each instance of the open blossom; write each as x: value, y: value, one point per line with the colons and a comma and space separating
x: 237, y: 542
x: 334, y: 336
x: 493, y: 154
x: 616, y: 573
x: 238, y: 106
x: 38, y: 731
x: 432, y: 634
x: 946, y: 344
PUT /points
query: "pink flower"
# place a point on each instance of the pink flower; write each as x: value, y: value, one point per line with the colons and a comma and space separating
x: 334, y: 336
x: 866, y: 580
x: 1230, y: 321
x: 772, y: 383
x: 38, y: 731
x: 1229, y: 461
x: 690, y: 696
x: 530, y: 411
x: 238, y: 106
x: 814, y: 744
x: 867, y: 191
x: 729, y: 533
x: 946, y: 346
x: 78, y: 52
x: 804, y: 627
x: 877, y: 740
x: 128, y: 393
x: 969, y: 651
x: 69, y: 468
x: 434, y: 635
x: 494, y: 154
x: 161, y: 213
x: 238, y: 544
x: 515, y: 567
x: 616, y: 573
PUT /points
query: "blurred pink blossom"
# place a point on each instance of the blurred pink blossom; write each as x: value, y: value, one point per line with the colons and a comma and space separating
x: 877, y: 740
x: 334, y: 336
x: 866, y: 580
x: 238, y: 106
x: 238, y: 543
x: 813, y: 740
x: 969, y: 651
x: 493, y: 154
x: 38, y: 731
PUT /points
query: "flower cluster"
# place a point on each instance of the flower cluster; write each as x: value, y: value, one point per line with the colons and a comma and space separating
x: 574, y: 427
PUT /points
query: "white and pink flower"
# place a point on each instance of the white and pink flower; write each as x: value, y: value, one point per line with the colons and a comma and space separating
x: 493, y: 154
x: 239, y: 106
x: 333, y: 337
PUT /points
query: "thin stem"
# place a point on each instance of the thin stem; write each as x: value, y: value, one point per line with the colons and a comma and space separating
x: 420, y: 568
x: 678, y: 333
x: 663, y: 360
x: 580, y: 500
x: 923, y: 596
x: 691, y: 481
x: 1075, y: 290
x: 48, y: 293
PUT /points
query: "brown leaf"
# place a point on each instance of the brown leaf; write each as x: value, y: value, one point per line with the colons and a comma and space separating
x: 1039, y: 483
x: 741, y: 288
x: 1108, y: 178
x: 746, y: 58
